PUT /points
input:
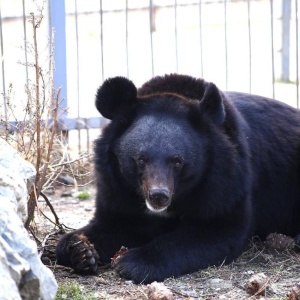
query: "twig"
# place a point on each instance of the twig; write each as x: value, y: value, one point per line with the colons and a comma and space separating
x: 31, y: 202
x: 54, y: 175
x: 46, y: 217
x: 184, y: 294
x: 79, y: 185
x: 59, y: 267
x: 34, y: 236
x: 52, y: 210
x: 250, y: 260
x: 35, y: 25
x: 50, y: 146
x: 71, y: 161
x: 43, y: 244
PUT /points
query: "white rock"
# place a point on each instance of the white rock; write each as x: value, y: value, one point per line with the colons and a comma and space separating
x: 8, y: 288
x: 16, y: 178
x: 215, y: 281
x: 22, y: 274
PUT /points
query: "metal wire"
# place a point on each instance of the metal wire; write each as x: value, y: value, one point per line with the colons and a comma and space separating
x: 77, y: 75
x: 176, y: 36
x: 2, y: 69
x: 250, y: 45
x: 25, y: 40
x: 126, y: 28
x: 151, y: 31
x: 176, y: 6
x: 225, y: 40
x: 101, y: 41
x: 272, y: 48
x: 297, y: 52
x: 200, y: 37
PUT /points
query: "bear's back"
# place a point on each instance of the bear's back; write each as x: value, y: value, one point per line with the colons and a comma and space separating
x: 274, y: 144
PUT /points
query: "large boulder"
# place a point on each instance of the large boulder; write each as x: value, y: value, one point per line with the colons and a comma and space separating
x: 16, y: 178
x: 22, y: 274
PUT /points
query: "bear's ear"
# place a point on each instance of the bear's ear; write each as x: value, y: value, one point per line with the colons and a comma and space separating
x: 211, y: 105
x: 115, y: 95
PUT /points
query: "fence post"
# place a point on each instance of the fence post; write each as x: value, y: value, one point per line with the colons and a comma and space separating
x: 285, y: 54
x: 57, y: 20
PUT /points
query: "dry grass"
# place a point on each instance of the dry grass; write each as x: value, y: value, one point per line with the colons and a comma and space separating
x: 32, y: 125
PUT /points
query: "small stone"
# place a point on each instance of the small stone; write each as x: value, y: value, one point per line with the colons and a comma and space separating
x: 67, y: 194
x: 215, y: 281
x: 65, y: 179
x: 189, y: 293
x: 75, y: 201
x: 158, y: 291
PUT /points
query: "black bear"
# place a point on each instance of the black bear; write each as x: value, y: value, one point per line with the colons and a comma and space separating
x: 186, y: 174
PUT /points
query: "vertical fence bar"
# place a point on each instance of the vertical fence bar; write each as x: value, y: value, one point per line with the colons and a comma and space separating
x: 285, y: 54
x: 151, y: 31
x: 25, y: 40
x: 57, y: 19
x: 126, y: 28
x: 88, y: 139
x: 101, y: 40
x: 3, y: 75
x: 272, y: 47
x: 78, y: 77
x: 175, y: 34
x: 201, y: 37
x: 226, y: 44
x: 250, y: 45
x: 297, y: 52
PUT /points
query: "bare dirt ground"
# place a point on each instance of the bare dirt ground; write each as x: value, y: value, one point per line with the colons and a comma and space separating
x: 281, y: 268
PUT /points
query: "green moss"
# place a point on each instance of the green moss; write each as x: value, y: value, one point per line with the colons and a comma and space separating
x: 84, y: 195
x: 73, y: 291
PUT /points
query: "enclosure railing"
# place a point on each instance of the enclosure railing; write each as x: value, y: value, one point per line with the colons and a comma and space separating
x: 244, y: 45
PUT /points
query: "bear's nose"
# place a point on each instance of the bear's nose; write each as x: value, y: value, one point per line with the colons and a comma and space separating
x: 159, y: 196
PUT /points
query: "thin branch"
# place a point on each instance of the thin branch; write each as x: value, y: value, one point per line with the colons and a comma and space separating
x: 50, y: 146
x: 78, y: 185
x: 43, y: 244
x: 35, y: 25
x: 34, y: 236
x: 52, y: 210
x: 71, y: 161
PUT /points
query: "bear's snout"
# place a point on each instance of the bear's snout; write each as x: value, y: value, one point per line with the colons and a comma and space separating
x: 159, y: 198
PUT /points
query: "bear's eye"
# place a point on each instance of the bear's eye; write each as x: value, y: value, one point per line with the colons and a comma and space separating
x: 141, y: 161
x: 177, y: 162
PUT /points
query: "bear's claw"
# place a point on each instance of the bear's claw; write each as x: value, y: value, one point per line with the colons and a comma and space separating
x: 84, y: 256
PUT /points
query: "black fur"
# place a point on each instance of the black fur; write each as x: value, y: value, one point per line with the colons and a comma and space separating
x: 222, y: 166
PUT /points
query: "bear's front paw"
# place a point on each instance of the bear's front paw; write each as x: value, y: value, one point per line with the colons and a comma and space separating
x: 138, y: 267
x: 84, y: 257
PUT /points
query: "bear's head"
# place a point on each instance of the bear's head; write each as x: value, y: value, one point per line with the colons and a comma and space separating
x: 163, y: 148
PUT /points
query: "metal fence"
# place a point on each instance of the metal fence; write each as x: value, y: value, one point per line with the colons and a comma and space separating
x: 243, y: 45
